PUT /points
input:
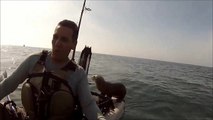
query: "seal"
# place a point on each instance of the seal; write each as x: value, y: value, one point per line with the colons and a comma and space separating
x: 117, y: 90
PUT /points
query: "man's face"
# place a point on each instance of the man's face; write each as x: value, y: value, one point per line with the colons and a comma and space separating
x: 62, y: 43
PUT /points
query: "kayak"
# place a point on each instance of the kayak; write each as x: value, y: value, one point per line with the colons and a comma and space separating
x: 117, y: 112
x: 110, y: 113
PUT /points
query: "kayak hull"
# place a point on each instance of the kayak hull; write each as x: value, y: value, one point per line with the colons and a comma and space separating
x: 117, y: 112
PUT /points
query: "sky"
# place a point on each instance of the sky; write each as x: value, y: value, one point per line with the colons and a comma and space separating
x: 167, y: 30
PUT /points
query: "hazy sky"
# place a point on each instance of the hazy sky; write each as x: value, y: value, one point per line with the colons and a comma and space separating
x: 178, y: 31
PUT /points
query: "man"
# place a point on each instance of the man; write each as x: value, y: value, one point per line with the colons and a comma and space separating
x: 64, y: 40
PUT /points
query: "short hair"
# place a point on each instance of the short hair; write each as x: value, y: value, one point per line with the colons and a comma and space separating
x: 72, y: 25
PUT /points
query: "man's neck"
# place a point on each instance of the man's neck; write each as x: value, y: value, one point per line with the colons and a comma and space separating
x: 59, y: 61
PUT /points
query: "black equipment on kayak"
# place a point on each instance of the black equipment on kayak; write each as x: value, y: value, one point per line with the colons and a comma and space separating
x: 105, y: 103
x: 8, y: 109
x: 85, y: 58
x: 6, y: 113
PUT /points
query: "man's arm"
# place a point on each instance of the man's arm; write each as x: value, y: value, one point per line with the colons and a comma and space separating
x: 88, y: 104
x: 9, y: 84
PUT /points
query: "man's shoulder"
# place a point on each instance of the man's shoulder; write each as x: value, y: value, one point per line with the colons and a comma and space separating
x: 36, y: 55
x: 72, y: 65
x: 78, y: 67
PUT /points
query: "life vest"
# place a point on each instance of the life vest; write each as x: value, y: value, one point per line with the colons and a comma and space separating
x: 46, y: 95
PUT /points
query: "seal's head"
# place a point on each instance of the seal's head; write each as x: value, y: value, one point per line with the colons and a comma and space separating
x: 117, y: 90
x: 97, y: 78
x: 100, y: 83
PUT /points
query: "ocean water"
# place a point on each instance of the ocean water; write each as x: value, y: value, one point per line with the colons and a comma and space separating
x: 156, y: 90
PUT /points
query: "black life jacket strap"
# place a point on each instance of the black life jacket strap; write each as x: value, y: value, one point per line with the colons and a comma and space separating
x: 50, y: 75
x: 38, y: 109
x: 35, y: 94
x: 43, y: 57
x: 44, y: 97
x: 71, y: 65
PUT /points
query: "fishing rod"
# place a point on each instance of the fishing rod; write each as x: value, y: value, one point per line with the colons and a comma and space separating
x: 86, y: 67
x: 79, y: 25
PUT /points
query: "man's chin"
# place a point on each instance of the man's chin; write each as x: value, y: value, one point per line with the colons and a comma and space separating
x: 55, y: 56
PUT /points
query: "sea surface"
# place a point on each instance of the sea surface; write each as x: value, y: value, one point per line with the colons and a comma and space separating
x: 156, y: 90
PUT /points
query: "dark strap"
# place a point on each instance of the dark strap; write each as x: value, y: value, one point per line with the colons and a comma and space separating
x: 35, y: 95
x: 54, y: 77
x: 43, y: 57
x: 71, y: 65
x: 44, y: 98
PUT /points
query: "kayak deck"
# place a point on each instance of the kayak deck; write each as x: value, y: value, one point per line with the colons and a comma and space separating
x: 117, y: 112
